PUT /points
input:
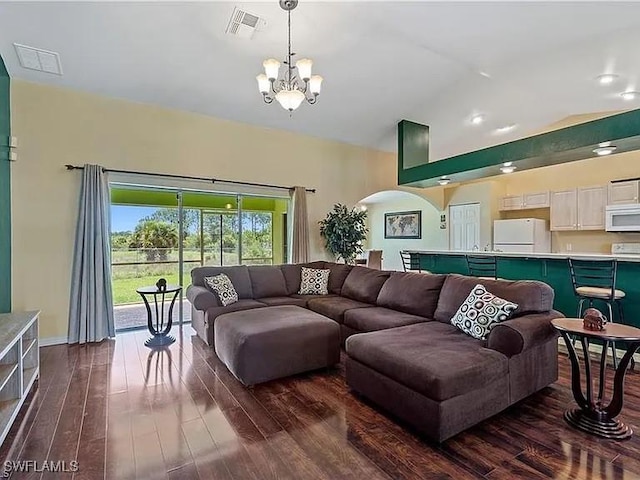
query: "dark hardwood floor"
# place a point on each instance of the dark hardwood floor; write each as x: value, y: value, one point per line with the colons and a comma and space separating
x: 124, y: 412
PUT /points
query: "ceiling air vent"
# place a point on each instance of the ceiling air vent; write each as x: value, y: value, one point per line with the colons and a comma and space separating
x: 38, y: 59
x: 242, y: 24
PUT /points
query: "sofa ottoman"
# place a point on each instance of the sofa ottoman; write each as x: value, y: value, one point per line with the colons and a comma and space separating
x: 429, y: 374
x: 274, y: 342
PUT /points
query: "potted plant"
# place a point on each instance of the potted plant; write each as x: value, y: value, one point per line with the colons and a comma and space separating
x: 344, y: 231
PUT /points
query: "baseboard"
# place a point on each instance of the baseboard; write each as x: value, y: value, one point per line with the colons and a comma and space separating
x: 594, y: 348
x: 46, y: 342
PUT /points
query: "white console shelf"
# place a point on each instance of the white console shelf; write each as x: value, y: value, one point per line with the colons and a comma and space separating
x: 19, y: 364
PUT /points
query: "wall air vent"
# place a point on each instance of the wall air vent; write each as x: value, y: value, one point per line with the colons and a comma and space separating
x: 243, y: 24
x: 38, y: 59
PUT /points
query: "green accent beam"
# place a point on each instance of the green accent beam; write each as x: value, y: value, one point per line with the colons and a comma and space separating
x: 559, y: 146
x: 5, y: 191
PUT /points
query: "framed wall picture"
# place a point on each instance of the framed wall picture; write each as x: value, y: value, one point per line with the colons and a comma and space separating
x: 403, y: 225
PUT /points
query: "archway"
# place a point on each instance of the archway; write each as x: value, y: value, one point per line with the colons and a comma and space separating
x: 431, y: 235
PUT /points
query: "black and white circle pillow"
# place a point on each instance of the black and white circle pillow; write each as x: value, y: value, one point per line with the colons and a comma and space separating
x: 223, y: 288
x: 314, y: 281
x: 481, y: 311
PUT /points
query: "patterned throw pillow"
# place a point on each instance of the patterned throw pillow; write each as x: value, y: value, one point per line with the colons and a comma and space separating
x: 480, y: 312
x: 223, y: 288
x: 314, y: 281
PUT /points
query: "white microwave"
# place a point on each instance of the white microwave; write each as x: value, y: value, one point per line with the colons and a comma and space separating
x: 623, y: 218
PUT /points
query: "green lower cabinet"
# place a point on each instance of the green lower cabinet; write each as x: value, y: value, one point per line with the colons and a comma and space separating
x: 554, y: 273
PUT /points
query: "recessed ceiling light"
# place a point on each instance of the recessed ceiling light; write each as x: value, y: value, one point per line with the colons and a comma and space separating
x: 606, y: 150
x: 506, y: 128
x: 477, y: 119
x: 444, y: 180
x: 630, y: 95
x: 607, y: 78
x: 509, y: 169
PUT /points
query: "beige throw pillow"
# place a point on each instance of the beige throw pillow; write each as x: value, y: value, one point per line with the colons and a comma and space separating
x: 314, y: 281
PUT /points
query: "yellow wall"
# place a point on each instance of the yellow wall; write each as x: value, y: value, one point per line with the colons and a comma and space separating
x: 58, y: 126
x: 594, y: 171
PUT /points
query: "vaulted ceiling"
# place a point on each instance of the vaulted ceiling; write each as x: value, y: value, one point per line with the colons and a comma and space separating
x: 528, y: 64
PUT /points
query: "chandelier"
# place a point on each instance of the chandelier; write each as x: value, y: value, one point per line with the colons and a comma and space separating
x: 290, y: 90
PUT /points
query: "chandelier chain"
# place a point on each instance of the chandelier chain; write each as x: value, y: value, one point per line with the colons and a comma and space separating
x: 289, y: 60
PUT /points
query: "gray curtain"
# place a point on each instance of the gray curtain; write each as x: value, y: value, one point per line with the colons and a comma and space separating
x: 299, y: 226
x: 91, y: 303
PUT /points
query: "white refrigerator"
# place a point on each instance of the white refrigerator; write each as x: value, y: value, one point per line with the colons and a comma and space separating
x: 523, y: 235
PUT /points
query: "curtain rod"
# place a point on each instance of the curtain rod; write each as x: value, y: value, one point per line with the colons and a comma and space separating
x: 186, y: 177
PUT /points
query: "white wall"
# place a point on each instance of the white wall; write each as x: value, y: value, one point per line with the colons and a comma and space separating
x: 432, y: 236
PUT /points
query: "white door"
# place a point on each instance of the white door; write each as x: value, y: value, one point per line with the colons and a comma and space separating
x: 464, y: 227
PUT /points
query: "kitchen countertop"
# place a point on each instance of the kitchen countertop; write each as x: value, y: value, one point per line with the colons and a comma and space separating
x: 550, y: 256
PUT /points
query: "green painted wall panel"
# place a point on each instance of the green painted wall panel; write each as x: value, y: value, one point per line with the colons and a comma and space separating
x: 5, y: 192
x: 159, y: 198
x: 554, y: 272
x: 413, y: 146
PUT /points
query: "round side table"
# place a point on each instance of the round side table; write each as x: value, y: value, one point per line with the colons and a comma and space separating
x: 158, y: 325
x: 593, y: 416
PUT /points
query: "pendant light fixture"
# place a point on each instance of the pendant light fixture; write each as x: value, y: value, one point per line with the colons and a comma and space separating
x: 291, y: 89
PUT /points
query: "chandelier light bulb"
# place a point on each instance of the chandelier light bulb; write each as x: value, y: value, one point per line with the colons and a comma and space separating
x: 290, y: 99
x: 271, y: 68
x: 263, y: 83
x: 304, y: 68
x: 315, y: 84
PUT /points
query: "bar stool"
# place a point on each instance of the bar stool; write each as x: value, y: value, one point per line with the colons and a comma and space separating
x: 483, y: 266
x: 595, y: 280
x: 410, y: 263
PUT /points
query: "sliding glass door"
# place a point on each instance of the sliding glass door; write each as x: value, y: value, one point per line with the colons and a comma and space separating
x: 165, y: 233
x: 221, y: 238
x: 145, y: 246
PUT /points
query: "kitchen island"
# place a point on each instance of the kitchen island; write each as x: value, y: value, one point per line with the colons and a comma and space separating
x: 551, y: 268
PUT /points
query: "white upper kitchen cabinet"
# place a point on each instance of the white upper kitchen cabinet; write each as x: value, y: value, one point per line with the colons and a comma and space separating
x: 579, y: 209
x: 512, y: 202
x: 592, y: 202
x: 622, y: 193
x: 564, y: 210
x: 536, y: 200
x: 524, y: 202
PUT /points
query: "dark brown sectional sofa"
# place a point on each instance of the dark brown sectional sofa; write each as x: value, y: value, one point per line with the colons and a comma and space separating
x: 402, y: 352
